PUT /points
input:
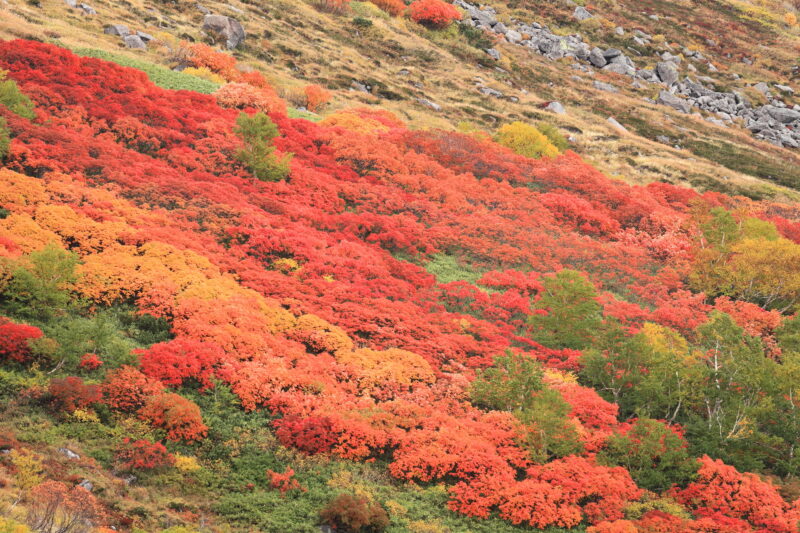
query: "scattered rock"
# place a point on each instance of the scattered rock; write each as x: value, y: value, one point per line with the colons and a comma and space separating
x: 669, y: 99
x: 146, y: 37
x: 135, y: 42
x: 782, y: 115
x: 581, y: 13
x: 619, y: 30
x: 488, y: 91
x: 225, y: 28
x: 597, y: 58
x: 667, y: 72
x: 203, y: 9
x: 557, y: 108
x: 427, y: 103
x: 86, y: 484
x: 117, y: 29
x: 761, y: 87
x: 784, y: 89
x: 513, y: 36
x: 69, y: 454
x: 617, y: 125
x: 493, y: 53
x: 605, y: 87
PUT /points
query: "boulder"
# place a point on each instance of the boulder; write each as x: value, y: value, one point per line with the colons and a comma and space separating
x: 69, y: 454
x: 605, y: 87
x: 135, y: 42
x: 581, y: 13
x: 557, y: 108
x: 86, y: 9
x: 619, y: 30
x: 761, y: 87
x: 597, y: 58
x: 782, y: 115
x: 224, y: 28
x: 620, y: 68
x: 513, y: 36
x: 784, y: 89
x: 117, y: 29
x: 669, y: 99
x: 617, y: 125
x: 146, y: 37
x: 493, y: 53
x: 667, y: 72
x: 429, y: 104
x: 611, y: 53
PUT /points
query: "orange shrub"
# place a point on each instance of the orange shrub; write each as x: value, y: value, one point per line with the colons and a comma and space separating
x: 434, y: 13
x: 316, y: 97
x: 243, y: 95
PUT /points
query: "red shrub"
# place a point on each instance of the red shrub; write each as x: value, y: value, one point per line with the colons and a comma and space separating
x: 14, y: 340
x: 284, y: 482
x: 144, y: 455
x: 182, y: 359
x: 316, y: 97
x: 394, y: 7
x: 90, y: 361
x: 71, y: 393
x: 310, y: 435
x: 126, y: 389
x: 434, y: 13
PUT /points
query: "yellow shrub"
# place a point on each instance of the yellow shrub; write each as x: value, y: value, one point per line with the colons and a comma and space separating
x: 12, y: 526
x: 525, y: 140
x: 205, y: 73
x: 186, y: 463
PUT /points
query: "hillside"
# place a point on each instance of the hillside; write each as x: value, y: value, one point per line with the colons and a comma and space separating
x: 328, y: 280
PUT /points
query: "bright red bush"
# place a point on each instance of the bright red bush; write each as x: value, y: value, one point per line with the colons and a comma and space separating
x: 180, y: 360
x: 394, y: 7
x: 90, y: 361
x: 434, y: 13
x: 127, y: 389
x: 14, y: 340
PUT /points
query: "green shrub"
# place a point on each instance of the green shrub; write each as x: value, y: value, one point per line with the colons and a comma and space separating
x: 14, y: 99
x: 5, y: 138
x: 41, y: 289
x: 555, y: 136
x: 258, y: 155
x: 158, y: 74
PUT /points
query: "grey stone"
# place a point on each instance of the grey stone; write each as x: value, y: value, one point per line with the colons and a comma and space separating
x: 86, y: 9
x: 617, y: 125
x: 669, y: 99
x: 664, y: 139
x: 654, y: 17
x: 117, y: 29
x: 557, y: 108
x: 68, y: 453
x: 605, y: 87
x: 597, y: 58
x: 782, y: 115
x: 784, y: 89
x: 513, y: 36
x: 761, y: 87
x: 493, y: 53
x: 225, y: 28
x: 146, y: 37
x: 134, y: 41
x: 86, y: 484
x: 619, y: 30
x: 488, y: 91
x: 619, y: 68
x: 611, y: 53
x: 667, y: 72
x: 500, y: 28
x: 202, y: 9
x: 71, y: 3
x: 429, y: 104
x: 581, y: 13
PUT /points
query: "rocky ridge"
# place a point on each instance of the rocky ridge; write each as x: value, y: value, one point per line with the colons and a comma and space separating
x: 774, y: 122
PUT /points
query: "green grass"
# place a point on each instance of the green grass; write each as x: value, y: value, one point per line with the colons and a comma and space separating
x: 447, y: 269
x: 158, y: 74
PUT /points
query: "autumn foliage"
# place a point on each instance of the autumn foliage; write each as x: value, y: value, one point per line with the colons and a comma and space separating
x: 434, y: 13
x: 320, y: 301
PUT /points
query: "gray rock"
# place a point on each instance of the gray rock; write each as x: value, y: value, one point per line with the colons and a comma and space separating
x: 619, y: 30
x: 654, y: 17
x: 605, y: 87
x: 611, y: 53
x: 782, y: 115
x: 581, y: 13
x: 669, y: 99
x: 500, y: 28
x: 597, y: 58
x: 667, y: 72
x: 761, y: 87
x: 619, y: 68
x: 430, y: 105
x: 712, y: 68
x: 146, y: 37
x: 86, y: 484
x: 557, y: 108
x: 225, y: 28
x: 71, y: 3
x: 493, y: 53
x: 134, y: 41
x: 617, y: 125
x: 664, y: 139
x: 117, y: 29
x: 784, y: 89
x: 513, y: 36
x: 86, y: 9
x: 711, y: 42
x: 488, y: 91
x: 202, y: 9
x: 638, y: 40
x: 69, y: 454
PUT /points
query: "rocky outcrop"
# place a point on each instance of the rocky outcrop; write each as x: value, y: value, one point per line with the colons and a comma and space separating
x: 774, y: 122
x: 224, y: 29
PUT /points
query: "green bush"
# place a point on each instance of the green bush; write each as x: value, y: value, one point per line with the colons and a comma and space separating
x: 158, y: 74
x: 257, y: 132
x: 14, y: 99
x: 41, y: 289
x: 5, y: 138
x: 555, y: 136
x: 354, y: 514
